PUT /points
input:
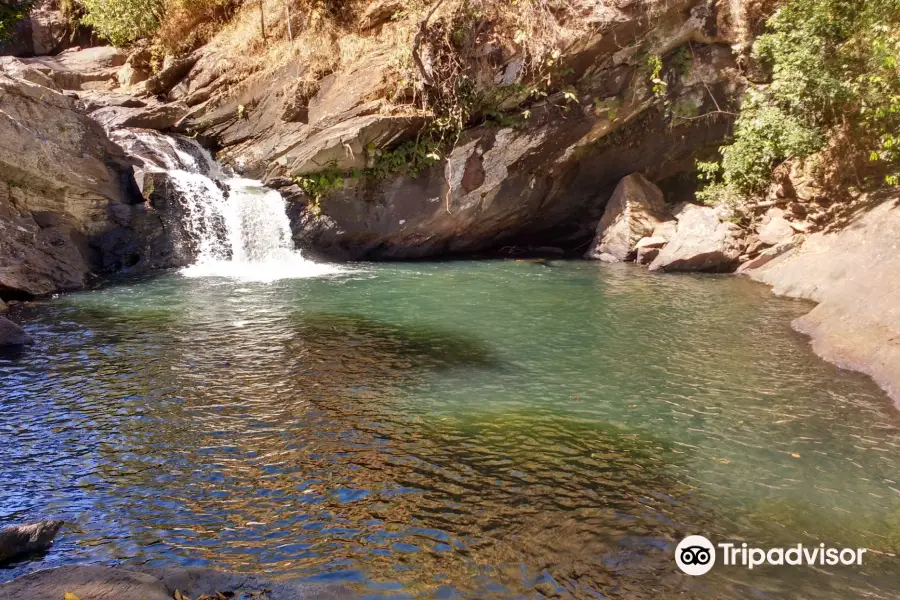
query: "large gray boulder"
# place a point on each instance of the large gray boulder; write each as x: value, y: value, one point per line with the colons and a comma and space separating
x: 68, y: 199
x: 702, y: 242
x: 636, y: 208
x: 774, y: 228
x: 20, y: 540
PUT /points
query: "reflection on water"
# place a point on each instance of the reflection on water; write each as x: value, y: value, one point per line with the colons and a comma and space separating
x: 461, y: 430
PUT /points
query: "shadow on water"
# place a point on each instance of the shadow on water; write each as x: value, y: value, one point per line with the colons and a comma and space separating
x: 421, y: 345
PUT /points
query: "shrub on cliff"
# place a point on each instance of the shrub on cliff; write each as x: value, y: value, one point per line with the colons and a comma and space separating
x: 834, y: 67
x: 123, y: 21
x: 177, y: 26
x: 10, y: 15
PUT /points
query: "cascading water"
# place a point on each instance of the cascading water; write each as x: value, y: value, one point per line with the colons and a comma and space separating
x: 236, y: 227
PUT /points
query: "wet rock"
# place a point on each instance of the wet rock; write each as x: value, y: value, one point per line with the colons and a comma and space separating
x: 92, y: 101
x: 21, y: 540
x: 702, y: 242
x: 113, y: 583
x: 774, y: 227
x: 636, y: 208
x: 160, y: 117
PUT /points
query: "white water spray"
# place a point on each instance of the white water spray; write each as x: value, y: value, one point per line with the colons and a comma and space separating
x: 238, y: 227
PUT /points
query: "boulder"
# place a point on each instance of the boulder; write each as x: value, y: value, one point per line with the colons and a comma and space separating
x: 16, y: 69
x: 702, y: 242
x: 665, y: 230
x: 380, y: 12
x: 173, y: 72
x: 10, y: 335
x: 636, y: 208
x: 21, y: 540
x: 648, y: 248
x: 129, y: 76
x: 774, y: 227
x: 63, y: 184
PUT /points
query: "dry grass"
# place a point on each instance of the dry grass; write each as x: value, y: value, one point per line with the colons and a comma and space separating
x: 189, y: 24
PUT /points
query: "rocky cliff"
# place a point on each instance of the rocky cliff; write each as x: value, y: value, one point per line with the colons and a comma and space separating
x: 69, y: 206
x: 537, y: 173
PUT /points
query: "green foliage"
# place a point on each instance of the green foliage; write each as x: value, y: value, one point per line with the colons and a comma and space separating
x: 654, y: 73
x: 834, y: 64
x: 409, y: 157
x: 11, y: 14
x: 322, y: 183
x: 123, y: 21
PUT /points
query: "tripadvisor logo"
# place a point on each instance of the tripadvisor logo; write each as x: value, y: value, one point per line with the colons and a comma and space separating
x: 696, y: 555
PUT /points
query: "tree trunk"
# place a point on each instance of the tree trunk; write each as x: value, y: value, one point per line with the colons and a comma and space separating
x: 287, y: 17
x: 262, y: 20
x: 424, y: 70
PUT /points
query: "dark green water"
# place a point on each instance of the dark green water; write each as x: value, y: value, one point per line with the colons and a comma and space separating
x: 456, y: 430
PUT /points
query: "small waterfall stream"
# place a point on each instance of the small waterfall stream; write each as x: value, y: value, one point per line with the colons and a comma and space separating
x: 237, y: 227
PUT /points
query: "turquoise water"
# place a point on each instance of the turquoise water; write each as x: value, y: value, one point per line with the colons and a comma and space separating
x: 454, y: 430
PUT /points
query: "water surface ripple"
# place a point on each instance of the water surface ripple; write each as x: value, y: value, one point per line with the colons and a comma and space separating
x: 456, y: 430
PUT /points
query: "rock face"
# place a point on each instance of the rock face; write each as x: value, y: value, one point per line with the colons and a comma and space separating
x: 21, y: 540
x: 702, y: 242
x: 108, y: 583
x: 11, y: 335
x: 66, y: 191
x: 636, y: 208
x: 854, y: 275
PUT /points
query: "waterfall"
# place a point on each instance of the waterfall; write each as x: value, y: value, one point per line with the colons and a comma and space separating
x: 235, y: 227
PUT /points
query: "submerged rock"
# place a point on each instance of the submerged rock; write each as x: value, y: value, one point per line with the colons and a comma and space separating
x: 20, y: 540
x: 636, y: 208
x: 11, y: 335
x: 702, y: 242
x: 113, y: 583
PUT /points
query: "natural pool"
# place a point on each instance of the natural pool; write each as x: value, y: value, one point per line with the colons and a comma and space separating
x: 491, y: 429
